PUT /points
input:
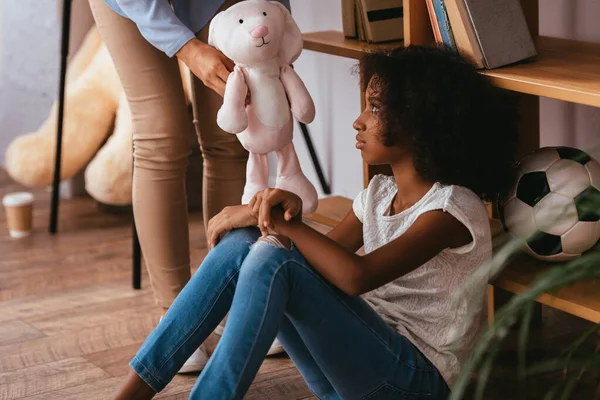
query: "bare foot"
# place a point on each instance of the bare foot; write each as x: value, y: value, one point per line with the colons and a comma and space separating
x: 135, y: 389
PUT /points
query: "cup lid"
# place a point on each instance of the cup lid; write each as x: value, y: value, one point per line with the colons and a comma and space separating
x: 17, y: 199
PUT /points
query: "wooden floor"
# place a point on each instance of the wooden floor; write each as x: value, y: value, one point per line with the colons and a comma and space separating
x: 70, y: 320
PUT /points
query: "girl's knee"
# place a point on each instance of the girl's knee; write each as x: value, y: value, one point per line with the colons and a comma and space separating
x: 277, y: 241
x: 231, y: 252
x: 267, y: 256
x: 244, y: 237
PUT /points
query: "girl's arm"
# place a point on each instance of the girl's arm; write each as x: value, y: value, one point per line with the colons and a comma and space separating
x: 431, y: 233
x: 348, y: 233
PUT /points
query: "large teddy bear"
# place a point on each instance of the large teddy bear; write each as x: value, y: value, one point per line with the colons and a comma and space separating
x: 263, y: 40
x: 97, y: 131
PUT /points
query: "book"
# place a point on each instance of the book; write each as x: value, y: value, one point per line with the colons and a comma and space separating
x: 349, y: 18
x: 383, y: 20
x: 360, y: 26
x: 435, y: 26
x: 444, y: 24
x: 501, y: 30
x: 464, y: 34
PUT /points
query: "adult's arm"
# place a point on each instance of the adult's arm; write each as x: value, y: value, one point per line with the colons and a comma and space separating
x: 158, y: 24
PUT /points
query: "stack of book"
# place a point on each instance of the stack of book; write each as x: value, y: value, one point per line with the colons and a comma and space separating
x: 373, y: 20
x: 489, y: 33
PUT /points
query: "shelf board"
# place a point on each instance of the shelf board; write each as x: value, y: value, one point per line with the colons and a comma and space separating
x: 335, y: 43
x: 581, y: 299
x: 564, y: 69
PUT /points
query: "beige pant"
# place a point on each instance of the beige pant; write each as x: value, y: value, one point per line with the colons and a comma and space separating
x: 153, y: 86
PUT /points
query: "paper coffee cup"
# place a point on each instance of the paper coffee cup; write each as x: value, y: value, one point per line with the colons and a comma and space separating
x: 19, y: 212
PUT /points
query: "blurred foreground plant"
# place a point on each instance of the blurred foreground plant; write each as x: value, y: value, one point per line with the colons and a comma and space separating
x: 573, y: 362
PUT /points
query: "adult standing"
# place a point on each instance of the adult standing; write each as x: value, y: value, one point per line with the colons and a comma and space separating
x: 145, y: 38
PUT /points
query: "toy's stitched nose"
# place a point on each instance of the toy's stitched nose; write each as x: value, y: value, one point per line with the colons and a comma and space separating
x: 260, y: 31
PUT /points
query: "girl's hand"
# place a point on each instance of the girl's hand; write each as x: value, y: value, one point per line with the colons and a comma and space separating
x: 210, y: 65
x: 263, y: 201
x: 230, y: 218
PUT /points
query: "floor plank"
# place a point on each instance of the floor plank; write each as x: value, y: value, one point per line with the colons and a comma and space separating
x: 114, y: 361
x: 76, y: 343
x: 16, y: 331
x: 99, y: 390
x: 34, y: 305
x: 66, y: 272
x: 48, y: 377
x: 100, y: 314
x: 178, y: 396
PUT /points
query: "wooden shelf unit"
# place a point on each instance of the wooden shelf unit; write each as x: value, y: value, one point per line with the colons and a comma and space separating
x: 566, y: 70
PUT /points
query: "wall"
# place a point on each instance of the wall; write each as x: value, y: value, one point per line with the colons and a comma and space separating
x: 1, y: 43
x: 29, y: 66
x: 564, y: 123
x: 334, y: 87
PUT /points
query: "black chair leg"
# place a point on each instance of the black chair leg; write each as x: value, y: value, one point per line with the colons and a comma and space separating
x: 137, y: 258
x: 315, y: 160
x: 137, y: 252
x: 64, y: 53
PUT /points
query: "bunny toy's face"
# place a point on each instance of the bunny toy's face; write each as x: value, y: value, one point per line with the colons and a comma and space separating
x: 253, y: 31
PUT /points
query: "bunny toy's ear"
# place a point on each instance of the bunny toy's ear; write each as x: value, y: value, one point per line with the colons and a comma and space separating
x: 212, y: 40
x: 291, y: 44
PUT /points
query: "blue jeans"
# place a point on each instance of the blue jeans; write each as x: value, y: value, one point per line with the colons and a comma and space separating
x: 340, y: 345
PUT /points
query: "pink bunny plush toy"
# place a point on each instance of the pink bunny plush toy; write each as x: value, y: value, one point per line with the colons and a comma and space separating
x: 263, y: 40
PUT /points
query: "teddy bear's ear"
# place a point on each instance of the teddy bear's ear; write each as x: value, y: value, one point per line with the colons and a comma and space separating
x: 211, y: 30
x: 291, y: 44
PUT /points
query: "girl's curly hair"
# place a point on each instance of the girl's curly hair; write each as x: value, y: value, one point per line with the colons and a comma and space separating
x: 460, y: 128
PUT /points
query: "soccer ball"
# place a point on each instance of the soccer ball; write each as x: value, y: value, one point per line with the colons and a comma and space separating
x: 554, y: 205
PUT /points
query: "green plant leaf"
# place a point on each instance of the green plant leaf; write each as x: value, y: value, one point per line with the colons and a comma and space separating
x: 485, y: 370
x: 568, y: 389
x: 582, y: 268
x: 523, y: 335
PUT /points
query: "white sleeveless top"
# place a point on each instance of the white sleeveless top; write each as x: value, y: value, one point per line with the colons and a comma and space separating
x: 425, y: 305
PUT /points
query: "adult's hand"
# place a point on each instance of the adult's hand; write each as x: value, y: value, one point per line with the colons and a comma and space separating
x: 207, y: 63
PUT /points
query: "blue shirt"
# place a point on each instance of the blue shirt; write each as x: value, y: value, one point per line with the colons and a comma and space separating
x: 166, y: 28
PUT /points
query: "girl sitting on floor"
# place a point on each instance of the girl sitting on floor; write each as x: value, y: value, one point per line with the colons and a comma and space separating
x: 392, y: 323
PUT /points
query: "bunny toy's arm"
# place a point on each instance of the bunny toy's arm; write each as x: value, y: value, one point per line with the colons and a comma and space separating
x: 232, y: 116
x: 301, y: 103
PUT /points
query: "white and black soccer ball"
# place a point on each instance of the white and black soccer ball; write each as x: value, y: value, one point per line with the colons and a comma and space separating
x: 554, y: 205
